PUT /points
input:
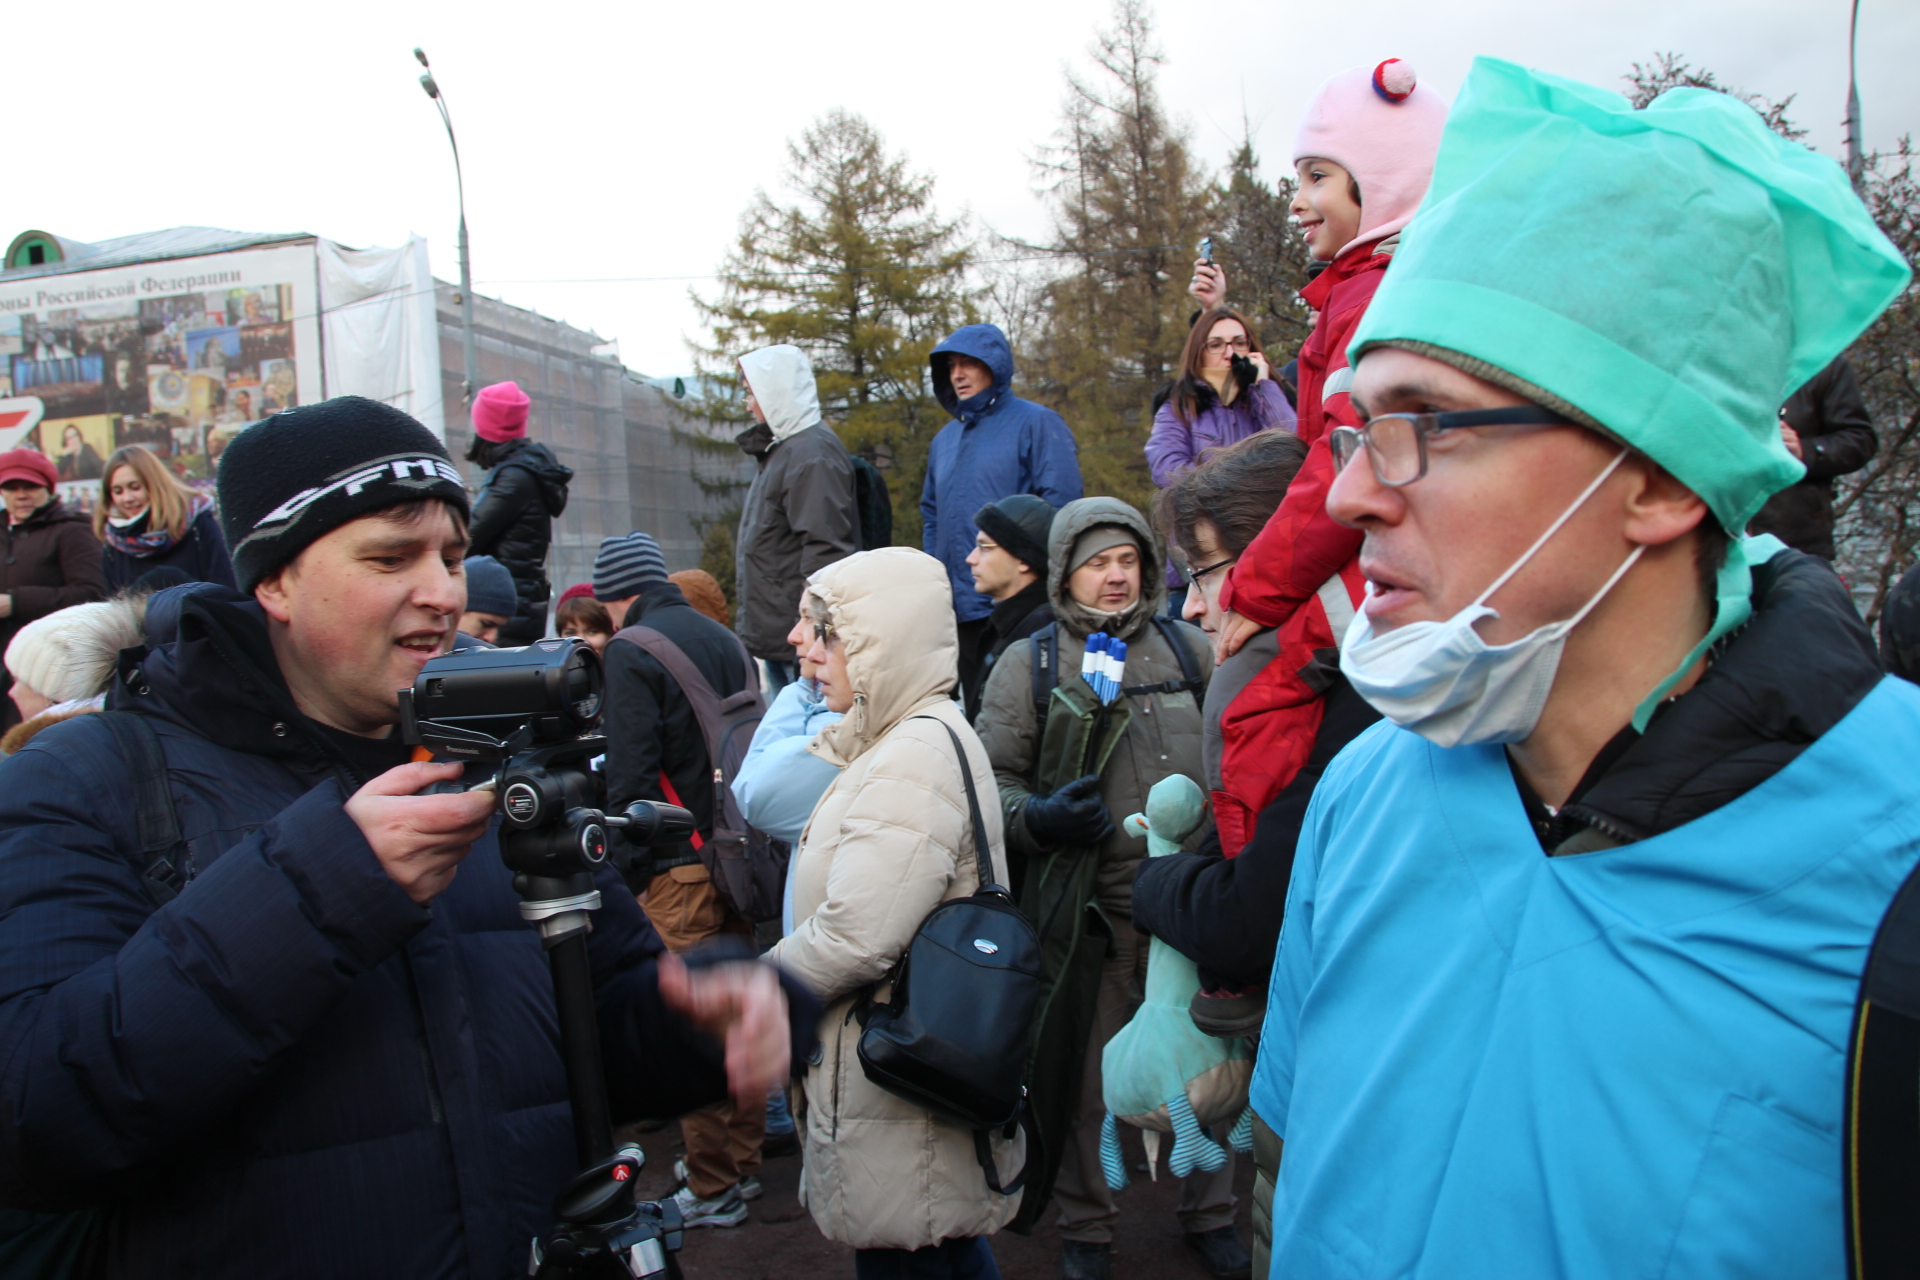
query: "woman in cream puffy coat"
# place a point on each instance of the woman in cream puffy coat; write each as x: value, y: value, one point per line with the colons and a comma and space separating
x: 888, y: 841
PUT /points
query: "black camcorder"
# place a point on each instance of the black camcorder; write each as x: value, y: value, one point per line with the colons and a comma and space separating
x: 534, y: 714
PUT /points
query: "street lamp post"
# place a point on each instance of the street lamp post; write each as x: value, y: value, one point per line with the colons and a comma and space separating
x: 1856, y: 160
x: 432, y: 87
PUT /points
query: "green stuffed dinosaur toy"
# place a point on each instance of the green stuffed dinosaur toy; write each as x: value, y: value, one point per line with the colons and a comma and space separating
x: 1163, y: 1074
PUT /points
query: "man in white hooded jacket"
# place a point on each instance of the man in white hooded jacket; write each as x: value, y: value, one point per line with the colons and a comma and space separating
x: 800, y: 513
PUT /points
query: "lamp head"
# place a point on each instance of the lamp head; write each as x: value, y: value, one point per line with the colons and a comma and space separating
x: 421, y: 54
x: 426, y: 82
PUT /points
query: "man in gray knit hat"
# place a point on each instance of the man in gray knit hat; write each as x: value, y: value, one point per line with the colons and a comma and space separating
x: 656, y: 751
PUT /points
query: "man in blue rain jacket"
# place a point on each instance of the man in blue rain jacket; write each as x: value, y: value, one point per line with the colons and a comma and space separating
x: 996, y: 446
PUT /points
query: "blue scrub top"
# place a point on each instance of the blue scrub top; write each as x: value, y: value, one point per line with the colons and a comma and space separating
x: 1488, y: 1062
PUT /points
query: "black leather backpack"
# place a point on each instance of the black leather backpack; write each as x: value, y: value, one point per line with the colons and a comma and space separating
x: 956, y: 1035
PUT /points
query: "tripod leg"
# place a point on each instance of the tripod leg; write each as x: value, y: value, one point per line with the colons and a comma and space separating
x: 580, y: 1049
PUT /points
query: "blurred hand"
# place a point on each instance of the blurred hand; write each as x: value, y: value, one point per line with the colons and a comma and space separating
x: 1259, y: 359
x: 741, y: 1005
x: 419, y: 839
x: 1791, y: 438
x: 1209, y: 284
x: 1235, y: 630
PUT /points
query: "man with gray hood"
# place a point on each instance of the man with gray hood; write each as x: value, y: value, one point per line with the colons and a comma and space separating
x: 801, y: 513
x: 1105, y: 575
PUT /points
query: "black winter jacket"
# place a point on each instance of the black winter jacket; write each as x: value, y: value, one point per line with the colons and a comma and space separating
x: 1836, y: 439
x: 52, y: 561
x: 290, y: 1068
x: 650, y: 725
x: 800, y: 514
x: 513, y: 515
x: 201, y: 554
x: 1012, y: 619
x: 1224, y: 913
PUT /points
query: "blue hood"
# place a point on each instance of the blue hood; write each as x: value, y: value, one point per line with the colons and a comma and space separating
x: 982, y: 342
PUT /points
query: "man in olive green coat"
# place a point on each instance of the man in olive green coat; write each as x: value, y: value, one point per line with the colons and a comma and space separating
x: 1105, y: 574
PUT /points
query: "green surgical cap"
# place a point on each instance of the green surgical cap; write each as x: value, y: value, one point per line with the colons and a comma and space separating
x: 1672, y: 273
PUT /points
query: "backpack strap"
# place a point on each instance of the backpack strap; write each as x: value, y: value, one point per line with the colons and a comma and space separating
x: 1046, y: 666
x: 164, y: 870
x: 1189, y: 680
x: 699, y: 694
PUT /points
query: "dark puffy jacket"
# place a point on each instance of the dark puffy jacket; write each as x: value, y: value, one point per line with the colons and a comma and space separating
x: 513, y: 515
x: 201, y: 554
x: 52, y: 561
x: 996, y: 446
x: 290, y: 1068
x: 1012, y: 620
x: 650, y: 725
x: 1224, y: 913
x: 1836, y: 439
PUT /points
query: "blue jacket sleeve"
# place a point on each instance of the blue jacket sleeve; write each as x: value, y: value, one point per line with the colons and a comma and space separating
x: 780, y: 781
x: 1056, y: 461
x: 658, y: 1064
x: 131, y: 1031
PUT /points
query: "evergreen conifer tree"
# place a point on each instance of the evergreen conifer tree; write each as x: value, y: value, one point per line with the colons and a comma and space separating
x: 1129, y: 206
x: 863, y: 274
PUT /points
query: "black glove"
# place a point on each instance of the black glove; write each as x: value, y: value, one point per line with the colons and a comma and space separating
x: 1073, y: 815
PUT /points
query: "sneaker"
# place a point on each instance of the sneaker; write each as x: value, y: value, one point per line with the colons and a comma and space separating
x: 724, y: 1210
x: 750, y: 1189
x: 1221, y: 1253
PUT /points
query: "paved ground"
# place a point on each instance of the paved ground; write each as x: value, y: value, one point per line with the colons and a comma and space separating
x: 779, y: 1240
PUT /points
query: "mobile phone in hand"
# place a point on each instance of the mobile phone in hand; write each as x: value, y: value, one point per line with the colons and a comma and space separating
x: 1206, y: 250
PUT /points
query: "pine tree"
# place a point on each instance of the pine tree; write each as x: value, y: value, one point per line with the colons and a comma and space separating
x: 1130, y: 204
x: 1264, y: 255
x: 863, y: 274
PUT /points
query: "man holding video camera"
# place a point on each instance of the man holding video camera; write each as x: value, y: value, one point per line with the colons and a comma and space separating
x: 312, y: 1035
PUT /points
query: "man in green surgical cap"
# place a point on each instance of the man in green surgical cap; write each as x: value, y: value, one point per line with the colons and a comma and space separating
x: 1567, y: 975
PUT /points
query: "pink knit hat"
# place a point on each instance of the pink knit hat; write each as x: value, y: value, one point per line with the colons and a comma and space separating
x: 1383, y: 127
x: 500, y: 411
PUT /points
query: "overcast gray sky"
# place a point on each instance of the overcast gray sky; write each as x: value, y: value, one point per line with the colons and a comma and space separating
x: 623, y: 140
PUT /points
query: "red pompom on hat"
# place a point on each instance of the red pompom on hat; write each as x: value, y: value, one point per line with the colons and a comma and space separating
x: 1395, y: 80
x: 28, y: 464
x: 500, y: 412
x: 575, y: 592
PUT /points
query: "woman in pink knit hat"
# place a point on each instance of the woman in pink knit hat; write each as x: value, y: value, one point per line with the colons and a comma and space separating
x: 525, y: 489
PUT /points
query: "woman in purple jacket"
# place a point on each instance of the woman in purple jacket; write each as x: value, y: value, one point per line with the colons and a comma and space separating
x: 1224, y: 394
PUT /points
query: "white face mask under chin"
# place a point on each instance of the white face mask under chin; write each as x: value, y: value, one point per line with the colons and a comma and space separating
x: 1444, y: 682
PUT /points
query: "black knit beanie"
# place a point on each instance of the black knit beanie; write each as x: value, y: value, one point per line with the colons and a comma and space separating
x: 294, y: 477
x: 1019, y: 523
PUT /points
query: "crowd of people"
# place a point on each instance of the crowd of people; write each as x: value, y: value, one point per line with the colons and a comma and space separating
x: 1550, y: 911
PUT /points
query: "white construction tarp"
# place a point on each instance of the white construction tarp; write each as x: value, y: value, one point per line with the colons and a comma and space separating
x: 379, y: 334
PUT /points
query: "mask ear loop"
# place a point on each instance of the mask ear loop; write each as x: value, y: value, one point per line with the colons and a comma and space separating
x: 1554, y: 528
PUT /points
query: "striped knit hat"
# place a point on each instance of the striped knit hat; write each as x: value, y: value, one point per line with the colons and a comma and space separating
x: 624, y: 565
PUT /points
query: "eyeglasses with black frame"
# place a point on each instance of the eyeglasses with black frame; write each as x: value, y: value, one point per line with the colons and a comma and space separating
x: 1396, y: 443
x: 1194, y: 575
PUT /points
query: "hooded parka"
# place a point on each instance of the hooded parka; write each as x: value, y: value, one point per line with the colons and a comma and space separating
x: 525, y: 492
x: 801, y: 512
x: 1164, y: 734
x: 996, y: 446
x: 889, y: 841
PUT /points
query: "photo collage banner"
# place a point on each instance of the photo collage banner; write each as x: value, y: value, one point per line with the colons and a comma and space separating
x: 179, y: 356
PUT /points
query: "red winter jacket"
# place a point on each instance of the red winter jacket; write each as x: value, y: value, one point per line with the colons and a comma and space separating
x: 1269, y: 729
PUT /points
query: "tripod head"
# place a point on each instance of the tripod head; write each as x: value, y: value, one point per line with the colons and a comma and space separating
x: 533, y: 713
